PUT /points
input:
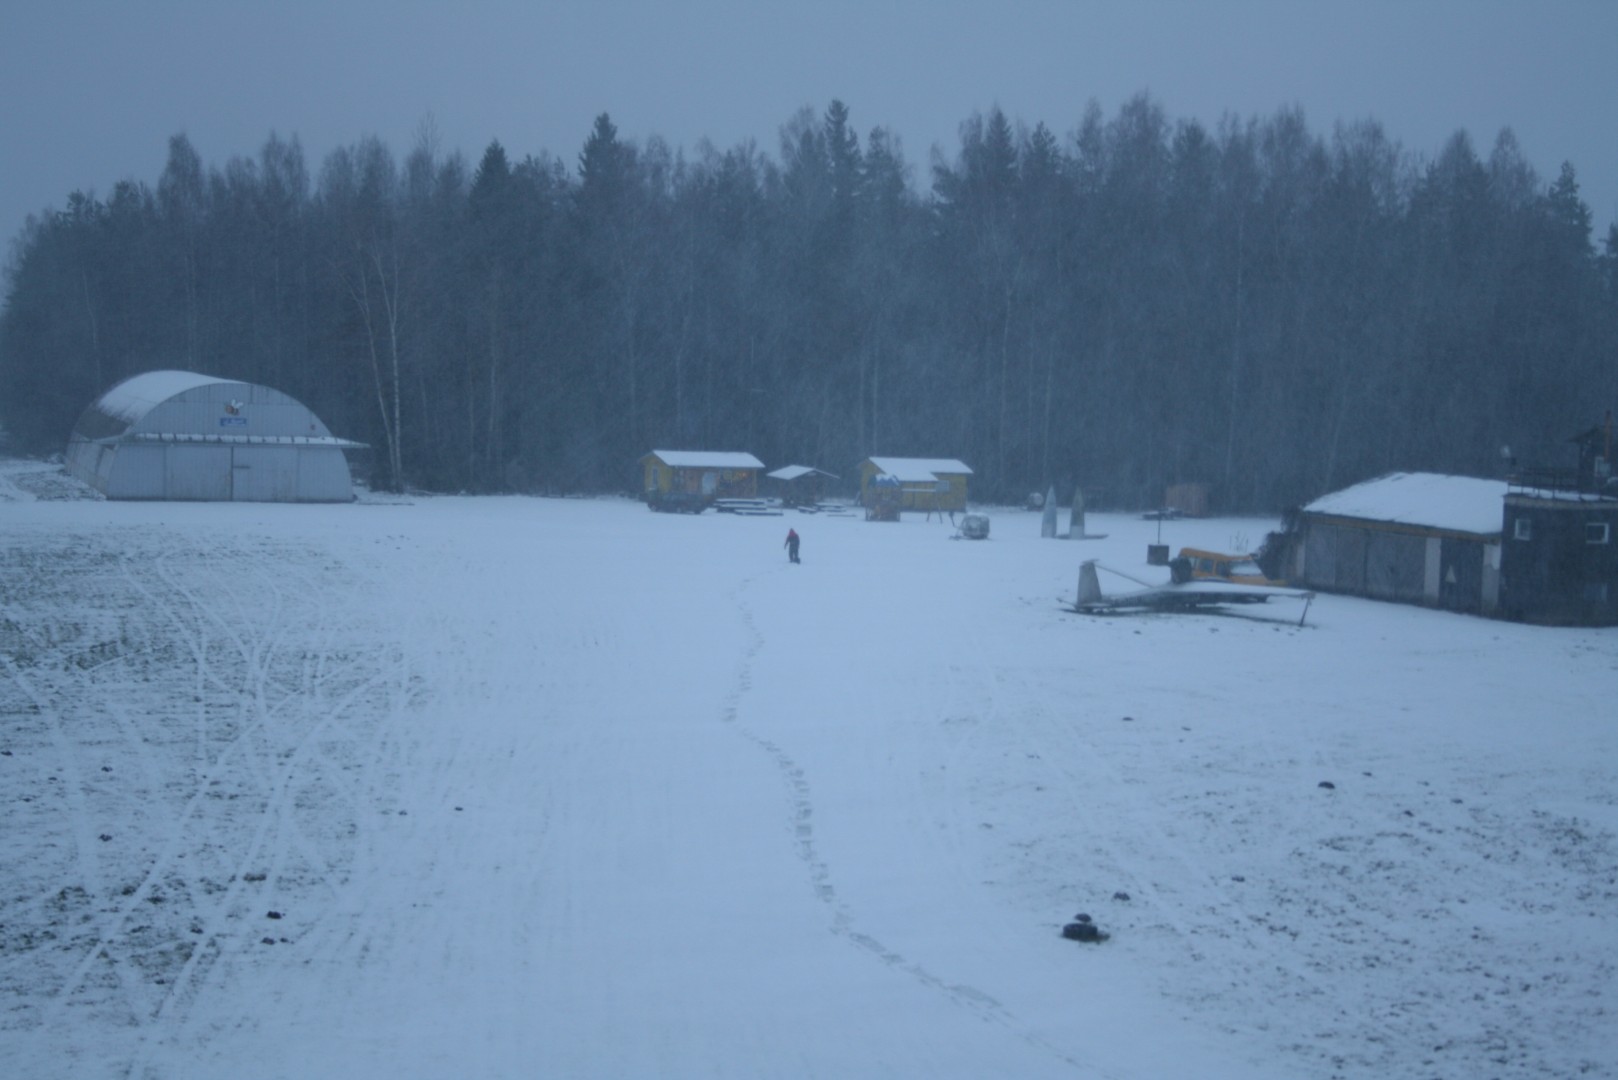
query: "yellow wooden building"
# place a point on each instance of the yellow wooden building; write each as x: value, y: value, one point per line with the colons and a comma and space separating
x: 690, y: 480
x: 925, y: 483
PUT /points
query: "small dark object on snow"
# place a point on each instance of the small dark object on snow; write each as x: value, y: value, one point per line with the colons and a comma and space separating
x: 266, y: 941
x: 1128, y: 719
x: 106, y: 768
x: 105, y: 837
x: 1237, y: 877
x: 1082, y: 917
x: 1083, y: 931
x: 1120, y: 896
x: 272, y: 914
x: 1327, y: 784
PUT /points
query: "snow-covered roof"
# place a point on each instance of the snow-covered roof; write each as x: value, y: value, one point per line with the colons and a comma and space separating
x: 1429, y: 500
x: 140, y: 394
x: 920, y: 470
x: 239, y: 440
x: 707, y: 459
x: 793, y: 472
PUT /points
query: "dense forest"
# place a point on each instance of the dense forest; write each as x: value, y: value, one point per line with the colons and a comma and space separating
x: 1143, y: 302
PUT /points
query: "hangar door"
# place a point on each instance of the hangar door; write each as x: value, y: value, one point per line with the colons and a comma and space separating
x: 264, y: 473
x: 197, y: 472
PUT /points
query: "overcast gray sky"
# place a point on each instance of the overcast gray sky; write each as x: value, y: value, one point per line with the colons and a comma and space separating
x: 91, y: 91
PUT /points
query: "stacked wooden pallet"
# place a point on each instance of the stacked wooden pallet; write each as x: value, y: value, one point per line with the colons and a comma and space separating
x: 748, y: 507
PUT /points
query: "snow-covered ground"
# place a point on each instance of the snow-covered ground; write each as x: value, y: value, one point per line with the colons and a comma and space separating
x: 505, y: 787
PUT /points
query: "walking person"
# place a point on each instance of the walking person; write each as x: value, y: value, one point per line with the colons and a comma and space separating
x: 792, y: 544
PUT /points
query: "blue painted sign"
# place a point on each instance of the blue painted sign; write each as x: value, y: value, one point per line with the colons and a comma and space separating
x: 233, y: 421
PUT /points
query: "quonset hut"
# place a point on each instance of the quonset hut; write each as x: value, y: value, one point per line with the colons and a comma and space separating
x: 180, y: 435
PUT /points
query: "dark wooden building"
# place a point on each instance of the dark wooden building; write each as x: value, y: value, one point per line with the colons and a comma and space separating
x: 1559, y: 562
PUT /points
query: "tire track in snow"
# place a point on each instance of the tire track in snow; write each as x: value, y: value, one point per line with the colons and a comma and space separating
x: 258, y: 654
x: 83, y: 849
x: 161, y: 867
x: 284, y: 705
x: 292, y: 718
x: 844, y: 922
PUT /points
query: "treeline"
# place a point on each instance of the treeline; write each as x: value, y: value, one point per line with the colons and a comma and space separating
x: 1257, y: 307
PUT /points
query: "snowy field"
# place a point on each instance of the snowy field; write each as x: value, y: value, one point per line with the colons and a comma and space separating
x: 506, y: 787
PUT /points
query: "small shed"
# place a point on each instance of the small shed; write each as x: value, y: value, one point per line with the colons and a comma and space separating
x: 799, y: 485
x: 924, y: 483
x: 1191, y: 500
x: 181, y: 435
x: 1421, y: 538
x: 688, y: 481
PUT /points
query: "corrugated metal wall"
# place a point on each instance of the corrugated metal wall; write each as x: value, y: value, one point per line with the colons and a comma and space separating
x: 1394, y: 564
x: 224, y: 473
x: 259, y: 410
x: 196, y: 471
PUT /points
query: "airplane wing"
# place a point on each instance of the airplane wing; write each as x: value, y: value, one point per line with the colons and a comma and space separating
x: 1189, y: 596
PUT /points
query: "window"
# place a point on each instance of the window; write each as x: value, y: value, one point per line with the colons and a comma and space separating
x: 1522, y: 529
x: 1597, y: 532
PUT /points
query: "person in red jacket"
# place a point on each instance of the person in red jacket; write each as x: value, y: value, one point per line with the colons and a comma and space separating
x: 792, y: 544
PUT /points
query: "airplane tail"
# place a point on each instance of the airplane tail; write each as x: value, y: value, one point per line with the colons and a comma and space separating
x: 1089, y: 584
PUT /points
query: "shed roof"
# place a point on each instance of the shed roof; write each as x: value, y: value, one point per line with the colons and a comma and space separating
x: 707, y: 459
x: 913, y: 470
x: 1427, y: 500
x: 794, y: 472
